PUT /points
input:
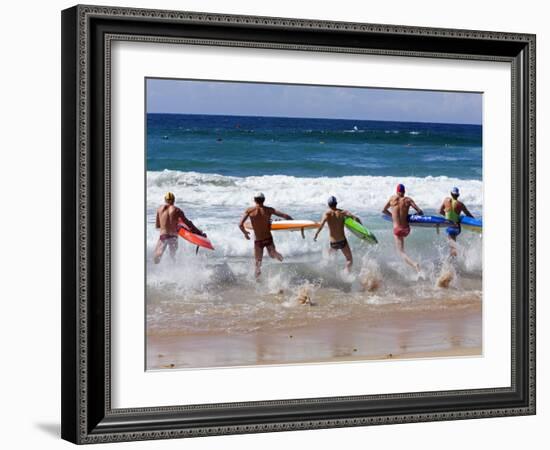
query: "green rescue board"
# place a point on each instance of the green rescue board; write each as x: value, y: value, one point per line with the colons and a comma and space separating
x: 360, y: 231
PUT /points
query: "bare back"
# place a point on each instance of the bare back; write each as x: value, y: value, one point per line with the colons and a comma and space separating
x: 335, y: 221
x: 167, y: 219
x: 260, y: 218
x: 400, y: 210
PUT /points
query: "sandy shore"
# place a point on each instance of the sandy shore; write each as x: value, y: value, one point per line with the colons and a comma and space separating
x: 397, y: 335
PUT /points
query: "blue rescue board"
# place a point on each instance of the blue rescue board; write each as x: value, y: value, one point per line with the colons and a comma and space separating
x: 471, y: 224
x: 466, y: 222
x: 416, y: 220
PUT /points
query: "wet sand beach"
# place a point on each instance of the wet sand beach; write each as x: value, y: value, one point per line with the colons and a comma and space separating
x: 381, y: 336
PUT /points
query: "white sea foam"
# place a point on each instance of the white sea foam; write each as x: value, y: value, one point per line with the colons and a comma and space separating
x: 353, y: 192
x: 217, y: 289
x: 215, y: 203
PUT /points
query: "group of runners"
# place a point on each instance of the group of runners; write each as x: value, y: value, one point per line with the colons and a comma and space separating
x: 397, y: 207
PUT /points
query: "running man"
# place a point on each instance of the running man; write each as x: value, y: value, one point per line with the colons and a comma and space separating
x: 335, y: 218
x: 167, y: 222
x: 400, y: 205
x: 451, y: 208
x: 260, y: 218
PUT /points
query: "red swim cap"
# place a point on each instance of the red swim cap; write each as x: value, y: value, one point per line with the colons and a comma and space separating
x: 400, y: 188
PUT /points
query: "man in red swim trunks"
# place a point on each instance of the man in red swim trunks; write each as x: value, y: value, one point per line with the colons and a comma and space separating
x: 260, y: 218
x: 400, y: 205
x: 168, y: 218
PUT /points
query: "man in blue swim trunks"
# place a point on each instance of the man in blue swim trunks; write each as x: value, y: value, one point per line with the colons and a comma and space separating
x: 451, y: 208
x: 335, y: 218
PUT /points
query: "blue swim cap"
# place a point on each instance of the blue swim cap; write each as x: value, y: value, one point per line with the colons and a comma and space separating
x: 332, y: 201
x: 455, y: 191
x: 400, y: 188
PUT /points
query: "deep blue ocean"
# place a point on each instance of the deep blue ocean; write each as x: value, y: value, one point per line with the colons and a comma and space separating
x: 251, y: 146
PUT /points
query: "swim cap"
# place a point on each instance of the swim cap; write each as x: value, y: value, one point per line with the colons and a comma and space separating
x: 400, y: 188
x: 332, y: 201
x: 169, y: 197
x: 455, y: 191
x: 259, y: 196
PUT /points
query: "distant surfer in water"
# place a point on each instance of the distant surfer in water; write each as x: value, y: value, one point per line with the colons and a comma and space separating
x: 335, y: 218
x: 400, y: 205
x: 451, y: 208
x: 260, y: 218
x: 167, y: 222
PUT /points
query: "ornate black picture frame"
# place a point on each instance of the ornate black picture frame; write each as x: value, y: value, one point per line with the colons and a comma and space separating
x: 87, y: 414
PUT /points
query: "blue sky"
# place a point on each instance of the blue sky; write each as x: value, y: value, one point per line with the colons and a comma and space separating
x: 256, y: 99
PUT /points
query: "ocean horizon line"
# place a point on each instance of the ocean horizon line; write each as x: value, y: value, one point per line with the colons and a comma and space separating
x: 313, y: 118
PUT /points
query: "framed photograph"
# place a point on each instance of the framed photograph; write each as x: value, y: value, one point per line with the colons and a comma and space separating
x: 280, y: 224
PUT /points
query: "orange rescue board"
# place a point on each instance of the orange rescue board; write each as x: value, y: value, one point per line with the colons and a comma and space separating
x: 196, y: 239
x: 290, y: 225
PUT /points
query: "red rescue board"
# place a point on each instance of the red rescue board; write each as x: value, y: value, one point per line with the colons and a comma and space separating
x: 196, y: 239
